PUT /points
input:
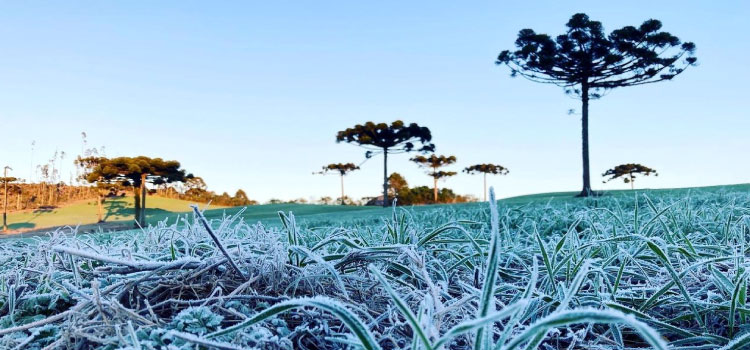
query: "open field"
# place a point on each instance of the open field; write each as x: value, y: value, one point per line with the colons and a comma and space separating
x: 119, y: 211
x: 660, y: 269
x: 118, y: 214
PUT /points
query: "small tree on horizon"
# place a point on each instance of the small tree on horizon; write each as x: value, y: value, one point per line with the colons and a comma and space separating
x: 485, y: 169
x: 433, y: 162
x: 383, y: 138
x: 628, y: 173
x: 343, y: 169
x: 586, y: 62
x: 397, y: 183
x: 135, y: 172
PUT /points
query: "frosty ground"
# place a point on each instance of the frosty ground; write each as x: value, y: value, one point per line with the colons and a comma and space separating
x: 648, y: 269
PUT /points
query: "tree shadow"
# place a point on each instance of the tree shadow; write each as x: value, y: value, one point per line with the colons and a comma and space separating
x: 120, y: 208
x: 21, y: 226
x: 44, y: 209
x: 116, y: 208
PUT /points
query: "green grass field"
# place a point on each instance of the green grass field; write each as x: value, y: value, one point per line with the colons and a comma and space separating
x: 85, y: 212
x: 119, y: 211
x: 654, y: 269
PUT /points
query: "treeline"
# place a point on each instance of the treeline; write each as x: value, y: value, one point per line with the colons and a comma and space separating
x: 202, y: 195
x: 22, y: 196
x: 398, y: 188
x: 406, y: 195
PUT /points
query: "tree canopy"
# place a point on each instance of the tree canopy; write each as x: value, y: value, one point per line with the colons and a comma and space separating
x: 341, y: 168
x: 131, y: 170
x: 396, y: 137
x: 433, y: 161
x: 486, y: 169
x: 7, y: 179
x: 584, y: 54
x: 628, y: 172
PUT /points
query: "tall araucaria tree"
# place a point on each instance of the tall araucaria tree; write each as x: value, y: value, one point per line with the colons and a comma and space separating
x: 628, y: 173
x: 136, y: 172
x: 433, y: 162
x: 586, y: 62
x: 485, y: 169
x: 343, y: 169
x: 388, y: 139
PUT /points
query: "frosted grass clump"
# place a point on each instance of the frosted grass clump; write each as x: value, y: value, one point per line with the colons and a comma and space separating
x: 655, y: 270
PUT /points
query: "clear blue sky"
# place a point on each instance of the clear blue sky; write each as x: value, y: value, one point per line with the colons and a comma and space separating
x: 250, y: 94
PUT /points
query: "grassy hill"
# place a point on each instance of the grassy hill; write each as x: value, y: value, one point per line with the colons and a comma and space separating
x: 85, y: 212
x: 119, y: 211
x: 669, y: 265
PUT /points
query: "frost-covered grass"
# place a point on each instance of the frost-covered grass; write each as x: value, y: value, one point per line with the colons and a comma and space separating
x: 661, y: 270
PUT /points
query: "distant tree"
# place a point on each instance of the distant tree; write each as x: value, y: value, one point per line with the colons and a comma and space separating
x: 485, y: 169
x: 136, y: 172
x: 397, y: 184
x: 5, y: 180
x: 628, y: 173
x: 586, y: 62
x: 195, y: 182
x: 399, y: 187
x: 346, y: 201
x: 395, y: 138
x: 433, y: 162
x: 325, y: 200
x: 241, y: 196
x: 241, y: 199
x: 343, y: 169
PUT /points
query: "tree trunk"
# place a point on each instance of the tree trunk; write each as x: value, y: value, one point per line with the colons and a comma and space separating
x: 434, y: 189
x: 99, y: 209
x: 385, y: 177
x: 5, y: 206
x: 143, y: 199
x: 137, y: 203
x: 342, y: 189
x: 485, y: 186
x: 586, y: 191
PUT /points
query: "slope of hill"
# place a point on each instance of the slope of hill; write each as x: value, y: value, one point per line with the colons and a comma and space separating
x: 119, y: 211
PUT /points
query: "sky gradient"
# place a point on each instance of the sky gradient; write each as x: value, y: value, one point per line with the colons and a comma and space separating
x: 251, y: 94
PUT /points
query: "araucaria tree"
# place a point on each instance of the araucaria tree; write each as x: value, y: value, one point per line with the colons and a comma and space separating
x: 485, y: 169
x: 433, y: 163
x: 136, y: 172
x: 628, y: 173
x: 586, y: 62
x: 388, y: 139
x: 342, y: 169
